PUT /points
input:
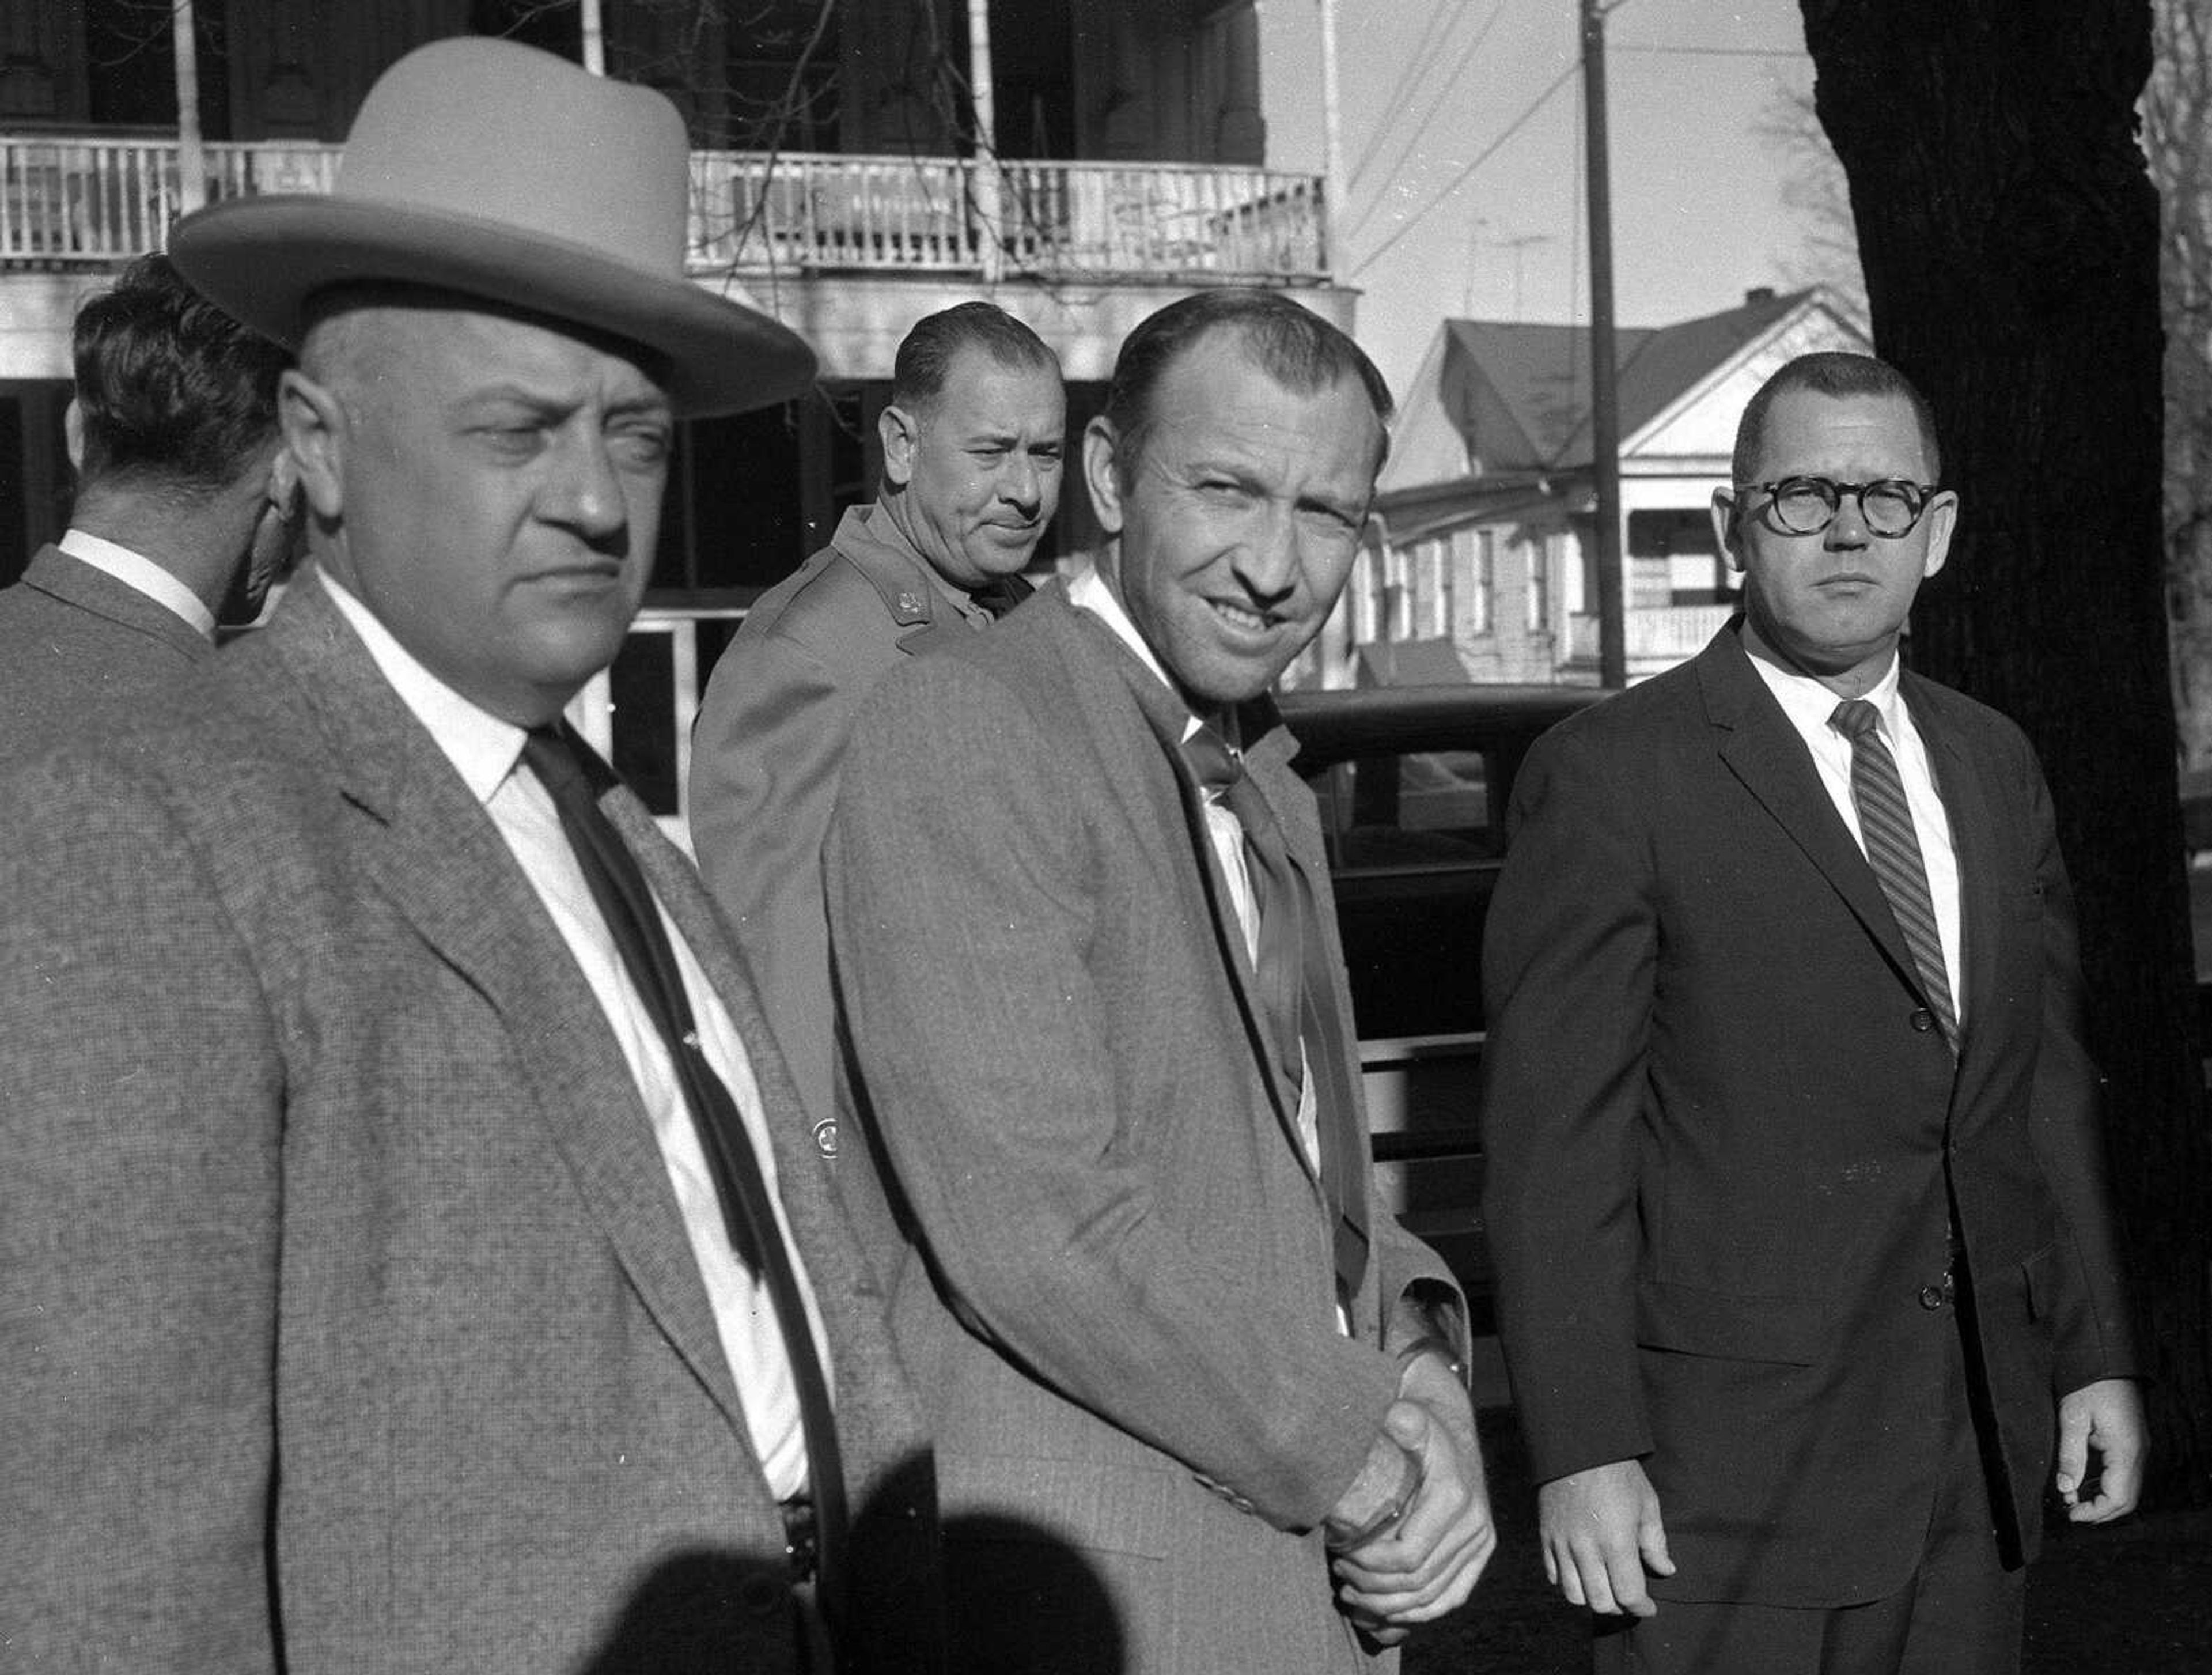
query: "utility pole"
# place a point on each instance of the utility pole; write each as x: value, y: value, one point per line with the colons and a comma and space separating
x: 1332, y: 145
x: 1605, y: 402
x: 988, y: 213
x: 191, y: 157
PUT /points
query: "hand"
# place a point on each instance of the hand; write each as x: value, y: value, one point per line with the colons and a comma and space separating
x: 1428, y: 1561
x: 2107, y: 1416
x: 1601, y: 1531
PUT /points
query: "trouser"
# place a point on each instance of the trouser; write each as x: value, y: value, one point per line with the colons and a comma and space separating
x: 1958, y: 1614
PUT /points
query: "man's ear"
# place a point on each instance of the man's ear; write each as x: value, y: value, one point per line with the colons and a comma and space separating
x: 1100, y: 474
x: 315, y: 424
x: 1724, y: 511
x: 73, y: 435
x: 899, y: 431
x: 1943, y: 519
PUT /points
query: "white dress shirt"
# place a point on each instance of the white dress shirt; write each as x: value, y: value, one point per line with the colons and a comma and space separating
x: 140, y: 574
x: 486, y: 751
x: 1809, y: 704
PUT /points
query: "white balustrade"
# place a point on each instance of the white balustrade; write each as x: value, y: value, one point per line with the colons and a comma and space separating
x: 70, y: 201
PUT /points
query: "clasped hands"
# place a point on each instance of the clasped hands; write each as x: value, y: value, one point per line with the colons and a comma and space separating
x: 1411, y: 1536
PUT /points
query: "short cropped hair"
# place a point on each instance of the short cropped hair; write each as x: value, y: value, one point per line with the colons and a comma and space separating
x: 169, y: 387
x: 1840, y: 374
x: 1294, y: 345
x: 925, y: 354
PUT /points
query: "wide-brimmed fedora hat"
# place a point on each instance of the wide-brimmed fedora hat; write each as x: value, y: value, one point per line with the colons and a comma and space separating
x: 495, y: 169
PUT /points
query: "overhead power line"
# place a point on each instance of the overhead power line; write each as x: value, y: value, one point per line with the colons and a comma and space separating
x: 1419, y: 62
x: 1487, y: 152
x: 1459, y: 68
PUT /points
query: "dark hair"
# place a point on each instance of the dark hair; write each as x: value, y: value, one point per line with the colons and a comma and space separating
x: 1832, y: 372
x: 1294, y: 346
x: 168, y: 386
x: 925, y: 353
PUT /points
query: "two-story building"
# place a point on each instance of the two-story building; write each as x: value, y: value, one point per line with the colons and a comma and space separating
x: 1480, y: 562
x: 842, y: 180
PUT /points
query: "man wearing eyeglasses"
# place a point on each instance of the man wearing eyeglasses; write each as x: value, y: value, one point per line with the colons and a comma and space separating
x: 1806, y: 1270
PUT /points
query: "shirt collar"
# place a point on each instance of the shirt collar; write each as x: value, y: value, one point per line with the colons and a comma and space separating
x: 141, y: 575
x: 1087, y: 590
x: 1810, y: 705
x: 481, y: 747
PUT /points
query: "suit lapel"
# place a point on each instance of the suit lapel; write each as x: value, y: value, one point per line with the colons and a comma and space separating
x: 1764, y: 752
x: 1161, y: 717
x: 930, y: 635
x: 435, y: 854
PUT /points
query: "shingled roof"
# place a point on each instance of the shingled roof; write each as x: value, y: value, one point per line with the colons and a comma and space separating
x: 1520, y: 394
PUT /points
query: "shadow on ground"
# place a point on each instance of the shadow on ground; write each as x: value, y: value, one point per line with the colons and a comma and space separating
x: 2135, y: 1600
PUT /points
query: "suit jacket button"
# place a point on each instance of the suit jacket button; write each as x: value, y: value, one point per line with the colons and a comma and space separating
x: 1931, y: 1297
x: 1923, y: 1019
x: 825, y: 1137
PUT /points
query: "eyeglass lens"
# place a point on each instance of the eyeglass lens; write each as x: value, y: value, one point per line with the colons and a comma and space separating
x: 1807, y: 505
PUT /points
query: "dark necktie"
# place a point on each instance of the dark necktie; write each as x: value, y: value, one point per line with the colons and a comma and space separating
x: 1292, y: 969
x: 1001, y: 594
x: 574, y: 776
x: 1893, y: 850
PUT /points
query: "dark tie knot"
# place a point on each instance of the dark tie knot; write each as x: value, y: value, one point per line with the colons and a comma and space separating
x: 1856, y: 719
x: 1001, y: 594
x: 564, y: 765
x: 1216, y: 768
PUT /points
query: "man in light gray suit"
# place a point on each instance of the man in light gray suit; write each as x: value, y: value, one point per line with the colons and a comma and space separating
x: 185, y: 499
x: 409, y: 1262
x: 1104, y: 1064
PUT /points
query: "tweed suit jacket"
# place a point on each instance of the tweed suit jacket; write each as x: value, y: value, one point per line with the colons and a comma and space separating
x: 350, y: 1324
x: 82, y: 652
x: 1722, y: 1132
x: 766, y: 751
x: 1116, y: 1291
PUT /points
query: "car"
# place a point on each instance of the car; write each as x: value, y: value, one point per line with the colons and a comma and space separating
x: 1413, y: 784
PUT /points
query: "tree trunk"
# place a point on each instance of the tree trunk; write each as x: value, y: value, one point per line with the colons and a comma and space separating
x: 2009, y: 235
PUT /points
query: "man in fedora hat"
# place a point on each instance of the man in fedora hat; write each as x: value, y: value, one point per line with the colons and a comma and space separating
x: 410, y: 1258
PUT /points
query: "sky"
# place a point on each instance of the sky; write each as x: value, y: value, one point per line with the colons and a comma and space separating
x: 1481, y: 208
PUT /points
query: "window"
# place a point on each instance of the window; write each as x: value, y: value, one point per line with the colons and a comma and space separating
x: 1674, y: 559
x: 1541, y: 553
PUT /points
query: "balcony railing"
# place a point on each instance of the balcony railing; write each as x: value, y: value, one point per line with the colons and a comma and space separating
x: 1655, y: 639
x: 70, y: 202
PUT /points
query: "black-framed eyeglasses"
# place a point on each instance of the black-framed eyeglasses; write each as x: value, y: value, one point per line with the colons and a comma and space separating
x: 1806, y: 505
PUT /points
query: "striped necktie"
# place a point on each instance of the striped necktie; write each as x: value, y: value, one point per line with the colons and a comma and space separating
x: 1893, y: 850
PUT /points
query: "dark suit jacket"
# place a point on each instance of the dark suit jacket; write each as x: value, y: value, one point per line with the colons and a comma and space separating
x: 1719, y: 1125
x: 1119, y: 1307
x: 765, y: 756
x: 350, y: 1323
x: 81, y: 651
